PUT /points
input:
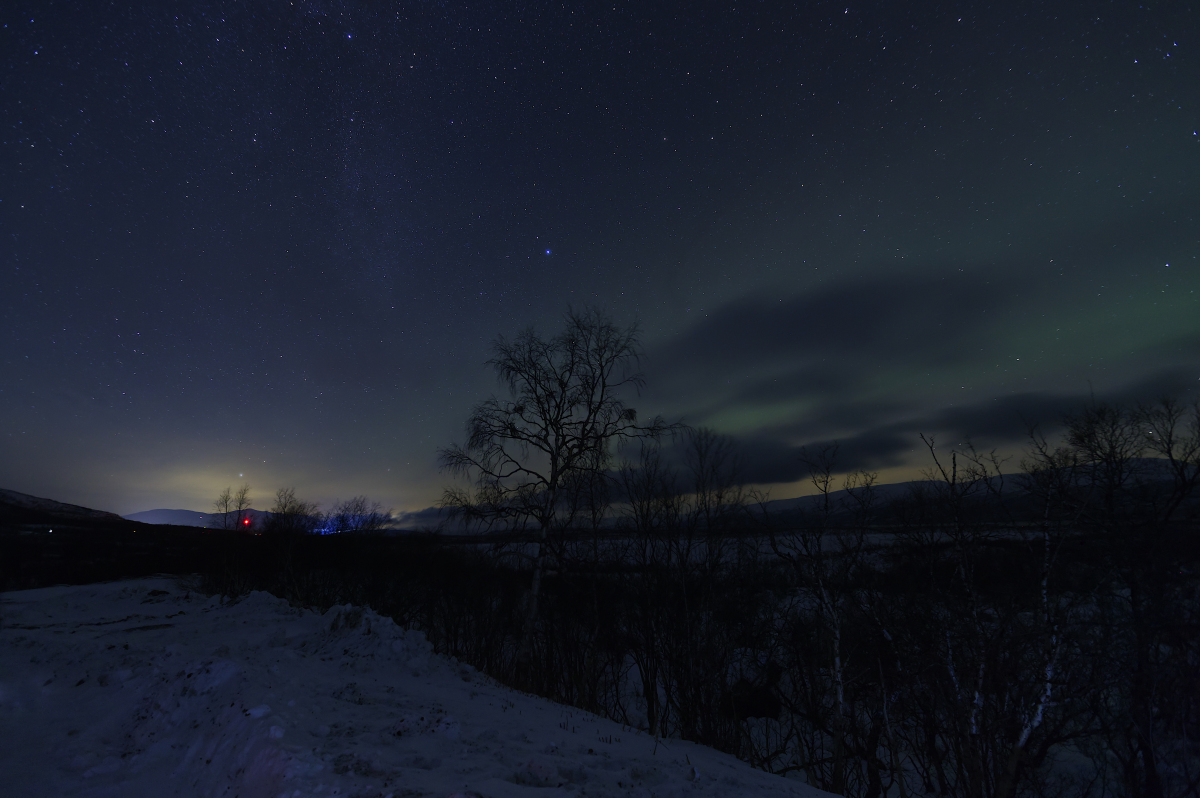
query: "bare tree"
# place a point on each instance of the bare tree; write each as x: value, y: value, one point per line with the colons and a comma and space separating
x: 827, y: 555
x: 229, y: 510
x: 292, y: 516
x: 526, y: 454
x: 358, y: 515
x: 1127, y: 479
x: 684, y: 507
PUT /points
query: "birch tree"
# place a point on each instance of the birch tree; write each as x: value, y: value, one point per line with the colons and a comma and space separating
x: 564, y: 411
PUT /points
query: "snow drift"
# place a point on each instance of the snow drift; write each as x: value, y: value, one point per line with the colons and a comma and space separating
x: 146, y: 688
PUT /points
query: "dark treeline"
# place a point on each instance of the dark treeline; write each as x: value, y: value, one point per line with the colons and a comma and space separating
x: 988, y: 635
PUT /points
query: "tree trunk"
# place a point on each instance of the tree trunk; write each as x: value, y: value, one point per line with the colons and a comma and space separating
x: 524, y: 672
x: 1141, y: 694
x: 871, y: 758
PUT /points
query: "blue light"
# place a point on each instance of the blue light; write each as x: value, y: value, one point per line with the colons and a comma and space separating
x: 547, y: 252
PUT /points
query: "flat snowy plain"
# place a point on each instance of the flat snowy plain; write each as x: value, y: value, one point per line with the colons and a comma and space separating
x: 148, y: 688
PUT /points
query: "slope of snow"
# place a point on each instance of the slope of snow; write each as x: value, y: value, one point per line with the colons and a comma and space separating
x: 145, y: 688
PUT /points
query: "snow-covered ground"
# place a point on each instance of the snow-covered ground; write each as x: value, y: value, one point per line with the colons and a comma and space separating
x: 146, y: 688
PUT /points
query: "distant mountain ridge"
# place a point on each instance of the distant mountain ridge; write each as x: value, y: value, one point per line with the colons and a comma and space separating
x: 21, y: 511
x: 185, y: 517
x: 176, y: 517
x: 21, y: 508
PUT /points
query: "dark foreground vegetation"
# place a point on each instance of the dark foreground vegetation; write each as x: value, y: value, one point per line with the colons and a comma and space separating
x: 987, y: 635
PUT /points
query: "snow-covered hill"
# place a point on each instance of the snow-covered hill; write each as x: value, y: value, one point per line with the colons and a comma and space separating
x: 188, y: 517
x: 147, y: 688
x: 176, y: 517
x: 23, y: 505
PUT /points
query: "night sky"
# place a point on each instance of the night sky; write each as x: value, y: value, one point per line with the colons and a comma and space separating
x: 271, y: 242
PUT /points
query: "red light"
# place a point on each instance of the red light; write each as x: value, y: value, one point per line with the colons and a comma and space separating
x: 246, y: 522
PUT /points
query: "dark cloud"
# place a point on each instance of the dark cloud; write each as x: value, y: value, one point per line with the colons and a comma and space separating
x: 767, y: 461
x: 817, y: 379
x: 1001, y: 422
x: 1007, y: 419
x: 1177, y: 383
x: 836, y: 327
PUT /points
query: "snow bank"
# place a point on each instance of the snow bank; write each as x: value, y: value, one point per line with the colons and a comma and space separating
x: 144, y: 688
